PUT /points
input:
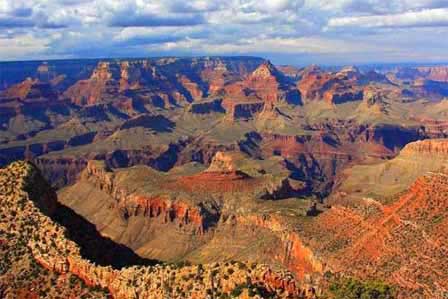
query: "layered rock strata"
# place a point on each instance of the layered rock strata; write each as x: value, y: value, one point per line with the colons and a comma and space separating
x: 52, y: 249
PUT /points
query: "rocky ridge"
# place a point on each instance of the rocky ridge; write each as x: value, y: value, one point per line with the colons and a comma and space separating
x: 393, y: 233
x: 52, y: 249
x: 265, y: 85
x: 394, y: 242
x: 210, y: 104
x: 198, y: 207
x: 133, y: 204
x: 432, y: 147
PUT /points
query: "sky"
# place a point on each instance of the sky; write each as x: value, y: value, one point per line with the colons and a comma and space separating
x: 295, y: 32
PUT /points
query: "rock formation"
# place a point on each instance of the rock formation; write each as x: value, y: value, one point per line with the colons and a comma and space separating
x: 317, y: 170
x: 390, y: 241
x: 28, y: 199
x: 267, y: 84
x: 334, y: 88
x: 204, y: 107
x: 435, y: 73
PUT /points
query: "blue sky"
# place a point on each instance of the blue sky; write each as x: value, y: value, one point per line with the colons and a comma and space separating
x: 285, y: 31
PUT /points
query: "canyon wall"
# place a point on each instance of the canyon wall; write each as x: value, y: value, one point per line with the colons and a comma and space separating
x: 53, y: 250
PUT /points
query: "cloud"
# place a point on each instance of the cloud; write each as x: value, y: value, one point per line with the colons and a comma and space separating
x: 423, y: 18
x: 272, y: 6
x: 151, y: 20
x: 22, y: 46
x: 132, y: 36
x: 26, y: 22
x: 321, y: 30
x: 298, y: 46
x: 372, y: 7
x: 15, y: 22
x: 129, y: 13
x: 22, y: 12
x: 181, y: 6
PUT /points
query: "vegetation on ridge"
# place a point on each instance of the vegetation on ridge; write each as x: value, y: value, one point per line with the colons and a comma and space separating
x: 351, y: 288
x: 36, y: 238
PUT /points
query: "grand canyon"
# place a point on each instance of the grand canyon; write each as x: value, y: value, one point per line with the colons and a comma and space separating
x: 222, y: 177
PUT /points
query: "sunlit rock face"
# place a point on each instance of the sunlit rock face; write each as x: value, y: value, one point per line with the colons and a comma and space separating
x: 321, y: 172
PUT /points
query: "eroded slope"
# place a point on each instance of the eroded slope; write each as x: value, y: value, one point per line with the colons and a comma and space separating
x: 26, y: 202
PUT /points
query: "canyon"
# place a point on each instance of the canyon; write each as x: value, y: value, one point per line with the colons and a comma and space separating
x: 223, y: 176
x: 361, y: 226
x: 26, y: 194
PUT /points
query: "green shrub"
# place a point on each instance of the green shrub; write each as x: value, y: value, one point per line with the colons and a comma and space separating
x: 350, y: 288
x: 237, y: 290
x: 224, y: 296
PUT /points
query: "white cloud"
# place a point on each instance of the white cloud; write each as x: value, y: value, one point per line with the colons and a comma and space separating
x: 22, y: 46
x: 374, y: 6
x: 273, y: 6
x: 309, y: 45
x: 427, y: 17
x: 334, y: 28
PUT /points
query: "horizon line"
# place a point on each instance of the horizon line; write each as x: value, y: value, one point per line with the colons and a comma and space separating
x: 384, y: 63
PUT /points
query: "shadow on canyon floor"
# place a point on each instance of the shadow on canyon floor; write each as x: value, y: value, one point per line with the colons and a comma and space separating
x: 95, y: 247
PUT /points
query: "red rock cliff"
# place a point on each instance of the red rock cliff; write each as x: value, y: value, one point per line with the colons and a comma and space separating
x: 152, y: 206
x: 294, y: 255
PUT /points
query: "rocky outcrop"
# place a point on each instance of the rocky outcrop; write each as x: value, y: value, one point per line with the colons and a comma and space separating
x: 434, y: 90
x: 267, y: 84
x: 150, y: 282
x: 139, y: 206
x: 124, y: 79
x: 319, y: 158
x: 157, y: 123
x: 192, y: 87
x: 291, y: 72
x: 32, y: 150
x: 394, y: 240
x: 435, y: 73
x: 378, y: 224
x: 132, y: 73
x: 49, y: 245
x: 224, y: 176
x: 336, y: 88
x: 129, y: 91
x: 296, y: 256
x: 102, y: 82
x: 426, y: 81
x: 31, y: 89
x: 222, y: 162
x: 434, y: 129
x: 430, y: 147
x: 415, y: 159
x: 217, y: 72
x: 373, y: 101
x: 30, y: 107
x: 217, y: 182
x: 340, y: 94
x: 270, y: 85
x: 60, y: 171
x: 152, y: 206
x: 243, y: 110
x: 205, y: 107
x: 313, y: 79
